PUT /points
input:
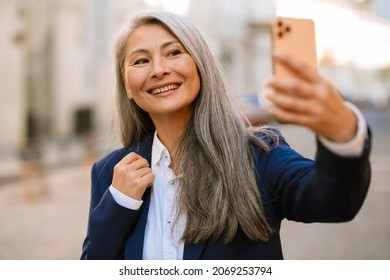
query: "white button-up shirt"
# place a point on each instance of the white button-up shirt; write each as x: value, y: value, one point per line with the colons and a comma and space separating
x: 162, y: 234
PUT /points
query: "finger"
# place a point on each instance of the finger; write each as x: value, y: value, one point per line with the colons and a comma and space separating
x: 296, y: 66
x: 291, y: 87
x: 141, y: 172
x: 144, y: 181
x: 289, y: 103
x: 148, y: 179
x: 131, y: 157
x: 139, y: 163
x: 129, y: 164
x: 139, y: 185
x: 290, y: 117
x: 135, y: 178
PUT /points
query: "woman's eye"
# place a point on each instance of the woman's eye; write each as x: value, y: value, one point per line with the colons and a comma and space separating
x: 140, y: 61
x: 174, y: 52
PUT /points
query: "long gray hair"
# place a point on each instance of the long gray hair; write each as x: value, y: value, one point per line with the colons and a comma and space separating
x: 217, y: 191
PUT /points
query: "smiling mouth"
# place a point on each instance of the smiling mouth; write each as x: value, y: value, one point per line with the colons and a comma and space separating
x: 163, y: 89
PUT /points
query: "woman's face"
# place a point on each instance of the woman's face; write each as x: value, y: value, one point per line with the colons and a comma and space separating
x: 160, y: 75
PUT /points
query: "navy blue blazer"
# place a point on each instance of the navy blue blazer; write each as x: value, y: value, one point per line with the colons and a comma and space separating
x: 329, y: 189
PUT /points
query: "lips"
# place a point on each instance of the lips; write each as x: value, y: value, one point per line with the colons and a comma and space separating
x: 162, y: 89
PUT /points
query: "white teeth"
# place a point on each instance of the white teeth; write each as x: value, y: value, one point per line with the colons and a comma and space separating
x: 163, y: 89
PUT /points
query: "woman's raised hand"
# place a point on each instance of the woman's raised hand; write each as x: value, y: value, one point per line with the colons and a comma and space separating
x: 310, y: 100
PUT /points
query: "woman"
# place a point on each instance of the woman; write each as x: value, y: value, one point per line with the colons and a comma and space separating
x: 194, y: 180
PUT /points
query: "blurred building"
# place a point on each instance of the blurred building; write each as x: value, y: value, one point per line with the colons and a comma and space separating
x: 56, y: 72
x: 382, y: 8
x: 55, y: 78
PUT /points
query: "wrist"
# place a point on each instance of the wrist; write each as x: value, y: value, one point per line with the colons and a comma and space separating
x: 347, y: 129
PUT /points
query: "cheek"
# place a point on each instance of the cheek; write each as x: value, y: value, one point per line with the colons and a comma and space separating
x: 191, y: 72
x: 134, y: 81
x: 196, y: 80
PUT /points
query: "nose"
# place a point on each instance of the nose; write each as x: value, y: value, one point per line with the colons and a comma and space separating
x: 160, y: 69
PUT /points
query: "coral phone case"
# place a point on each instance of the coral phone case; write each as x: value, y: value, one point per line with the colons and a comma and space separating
x: 296, y: 37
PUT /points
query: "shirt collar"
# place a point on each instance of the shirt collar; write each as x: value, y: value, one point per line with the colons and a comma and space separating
x: 158, y: 150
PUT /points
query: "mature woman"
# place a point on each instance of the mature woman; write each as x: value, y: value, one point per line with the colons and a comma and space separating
x: 194, y: 180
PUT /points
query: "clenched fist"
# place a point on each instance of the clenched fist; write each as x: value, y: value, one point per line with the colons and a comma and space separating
x: 132, y: 175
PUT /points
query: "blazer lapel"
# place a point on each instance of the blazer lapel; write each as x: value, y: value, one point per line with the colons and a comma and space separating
x: 193, y: 251
x: 135, y: 243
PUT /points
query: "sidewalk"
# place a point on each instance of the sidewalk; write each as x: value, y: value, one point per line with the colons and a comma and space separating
x: 45, y: 218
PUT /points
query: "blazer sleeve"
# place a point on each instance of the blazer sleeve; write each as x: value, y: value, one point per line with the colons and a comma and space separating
x: 330, y: 189
x: 109, y: 223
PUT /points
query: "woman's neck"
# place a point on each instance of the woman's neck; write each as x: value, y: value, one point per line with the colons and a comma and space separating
x: 170, y: 130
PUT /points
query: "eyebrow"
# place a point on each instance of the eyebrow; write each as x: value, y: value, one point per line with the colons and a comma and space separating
x: 164, y: 45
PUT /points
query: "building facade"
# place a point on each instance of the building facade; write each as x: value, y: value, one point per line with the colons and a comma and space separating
x: 56, y: 71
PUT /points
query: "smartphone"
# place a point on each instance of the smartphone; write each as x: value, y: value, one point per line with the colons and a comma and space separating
x: 296, y: 37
